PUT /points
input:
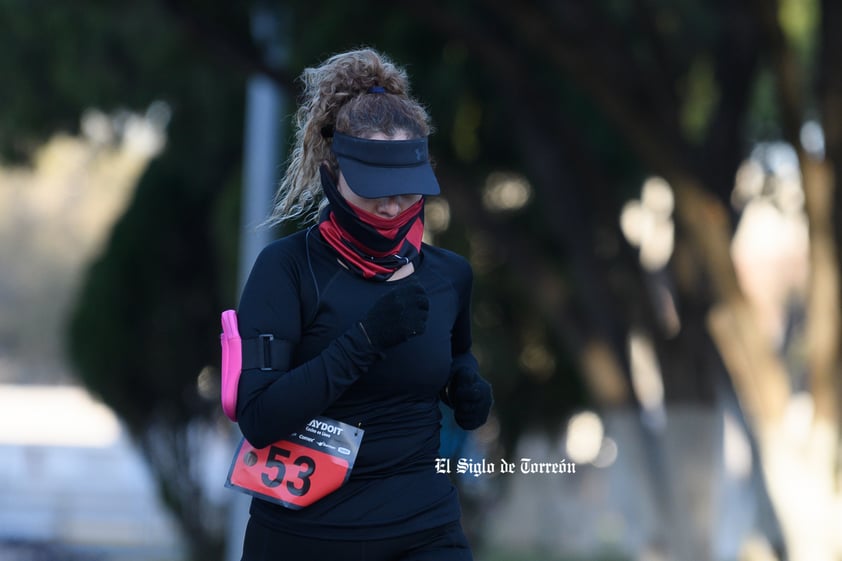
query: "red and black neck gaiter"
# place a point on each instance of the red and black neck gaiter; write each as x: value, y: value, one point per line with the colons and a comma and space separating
x: 369, y: 245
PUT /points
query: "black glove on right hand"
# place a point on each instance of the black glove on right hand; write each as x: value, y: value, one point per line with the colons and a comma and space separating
x: 471, y: 398
x: 397, y: 316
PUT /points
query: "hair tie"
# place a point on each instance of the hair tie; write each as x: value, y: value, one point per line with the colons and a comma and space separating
x: 377, y: 89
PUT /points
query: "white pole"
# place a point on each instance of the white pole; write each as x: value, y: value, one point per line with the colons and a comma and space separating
x: 260, y: 169
x: 264, y: 130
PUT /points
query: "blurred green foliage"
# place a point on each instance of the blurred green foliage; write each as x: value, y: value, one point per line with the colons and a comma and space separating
x: 503, y: 97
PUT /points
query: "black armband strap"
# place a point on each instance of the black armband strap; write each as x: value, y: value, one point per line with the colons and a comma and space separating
x: 266, y: 353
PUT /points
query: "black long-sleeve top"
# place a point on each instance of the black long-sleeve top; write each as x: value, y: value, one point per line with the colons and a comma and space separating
x: 298, y: 292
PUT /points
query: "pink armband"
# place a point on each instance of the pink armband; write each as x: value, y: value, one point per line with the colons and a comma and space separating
x: 232, y: 362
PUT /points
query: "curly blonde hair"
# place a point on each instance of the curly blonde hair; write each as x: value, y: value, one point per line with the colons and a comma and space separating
x: 338, y: 96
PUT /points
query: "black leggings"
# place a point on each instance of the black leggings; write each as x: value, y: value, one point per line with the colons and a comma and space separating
x: 445, y: 543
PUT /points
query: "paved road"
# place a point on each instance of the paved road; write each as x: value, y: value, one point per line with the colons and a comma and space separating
x: 70, y: 481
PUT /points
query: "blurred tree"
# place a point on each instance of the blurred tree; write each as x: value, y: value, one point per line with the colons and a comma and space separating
x: 586, y: 100
x: 146, y: 323
x: 678, y: 85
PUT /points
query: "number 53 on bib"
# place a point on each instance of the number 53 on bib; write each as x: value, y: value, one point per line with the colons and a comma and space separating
x: 298, y: 470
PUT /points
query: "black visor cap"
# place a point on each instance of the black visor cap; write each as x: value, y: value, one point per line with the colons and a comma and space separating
x: 385, y: 168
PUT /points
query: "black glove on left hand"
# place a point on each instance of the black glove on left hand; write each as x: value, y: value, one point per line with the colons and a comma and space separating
x: 471, y: 398
x: 398, y: 315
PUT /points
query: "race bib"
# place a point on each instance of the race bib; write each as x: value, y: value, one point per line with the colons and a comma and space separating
x: 298, y: 470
